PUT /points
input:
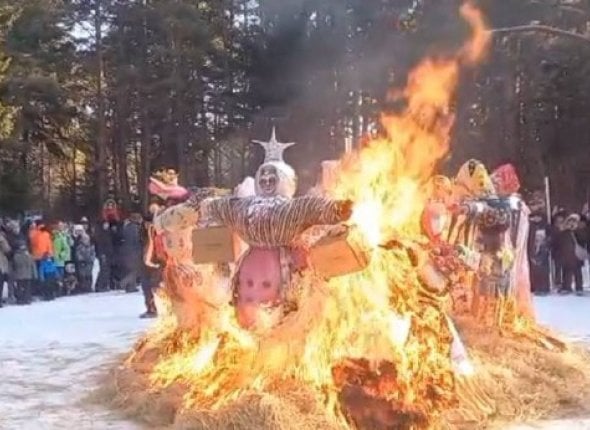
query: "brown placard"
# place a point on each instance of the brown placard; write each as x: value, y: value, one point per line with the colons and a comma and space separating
x: 214, y: 245
x: 338, y: 255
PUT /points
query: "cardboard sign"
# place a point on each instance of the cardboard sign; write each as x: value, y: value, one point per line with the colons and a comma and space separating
x: 213, y: 245
x: 338, y: 255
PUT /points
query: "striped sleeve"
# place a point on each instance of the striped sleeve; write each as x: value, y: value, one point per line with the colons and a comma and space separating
x: 309, y: 211
x: 221, y: 210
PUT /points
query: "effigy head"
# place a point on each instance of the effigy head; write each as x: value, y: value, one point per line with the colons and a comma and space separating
x: 276, y: 178
x: 164, y: 184
x: 442, y: 187
x: 166, y: 176
x: 506, y: 180
x: 474, y: 180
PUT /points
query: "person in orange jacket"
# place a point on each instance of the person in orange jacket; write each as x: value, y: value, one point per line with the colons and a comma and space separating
x: 41, y: 242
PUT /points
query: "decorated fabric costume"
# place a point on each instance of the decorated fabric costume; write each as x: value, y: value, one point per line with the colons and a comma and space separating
x: 490, y: 225
x: 197, y: 291
x: 507, y: 184
x: 435, y: 222
x: 471, y: 185
x: 269, y: 223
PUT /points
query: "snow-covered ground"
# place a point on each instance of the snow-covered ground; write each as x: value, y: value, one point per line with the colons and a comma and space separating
x: 50, y: 354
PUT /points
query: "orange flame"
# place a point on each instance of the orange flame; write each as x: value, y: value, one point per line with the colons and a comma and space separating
x: 374, y: 314
x: 475, y: 49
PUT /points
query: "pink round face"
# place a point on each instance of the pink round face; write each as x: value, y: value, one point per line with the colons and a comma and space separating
x: 268, y: 181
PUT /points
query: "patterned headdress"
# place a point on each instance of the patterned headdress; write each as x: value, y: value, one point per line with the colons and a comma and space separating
x: 473, y: 180
x: 164, y: 184
x: 273, y: 157
x: 506, y: 180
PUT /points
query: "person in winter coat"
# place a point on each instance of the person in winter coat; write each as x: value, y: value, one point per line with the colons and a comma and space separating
x: 85, y: 256
x: 116, y: 263
x: 48, y: 276
x: 62, y: 247
x: 41, y: 244
x: 153, y: 263
x: 567, y: 246
x: 24, y: 272
x: 105, y: 250
x: 555, y: 230
x: 538, y: 253
x: 14, y: 235
x: 4, y: 263
x: 131, y: 252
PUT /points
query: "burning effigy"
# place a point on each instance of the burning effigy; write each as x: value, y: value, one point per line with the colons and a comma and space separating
x: 389, y: 298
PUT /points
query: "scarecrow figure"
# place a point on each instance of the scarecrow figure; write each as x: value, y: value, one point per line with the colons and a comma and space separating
x: 269, y: 223
x: 188, y: 284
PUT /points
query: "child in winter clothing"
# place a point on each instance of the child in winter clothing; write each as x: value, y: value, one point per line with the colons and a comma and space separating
x: 48, y: 276
x: 70, y: 280
x: 24, y: 272
x: 85, y: 256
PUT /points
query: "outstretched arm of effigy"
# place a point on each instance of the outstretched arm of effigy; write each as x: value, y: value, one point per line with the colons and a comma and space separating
x: 176, y: 218
x: 222, y: 210
x: 305, y: 212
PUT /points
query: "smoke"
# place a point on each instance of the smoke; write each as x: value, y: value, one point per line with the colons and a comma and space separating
x: 322, y: 51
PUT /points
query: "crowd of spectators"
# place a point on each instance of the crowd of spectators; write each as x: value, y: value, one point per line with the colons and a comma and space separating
x: 559, y: 251
x: 46, y: 260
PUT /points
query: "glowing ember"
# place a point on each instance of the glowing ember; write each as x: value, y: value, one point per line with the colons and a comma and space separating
x: 373, y: 323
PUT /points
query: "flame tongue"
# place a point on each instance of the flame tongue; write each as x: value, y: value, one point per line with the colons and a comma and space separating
x: 367, y: 336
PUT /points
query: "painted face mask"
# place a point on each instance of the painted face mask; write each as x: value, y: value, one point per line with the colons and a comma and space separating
x: 275, y: 178
x: 268, y: 181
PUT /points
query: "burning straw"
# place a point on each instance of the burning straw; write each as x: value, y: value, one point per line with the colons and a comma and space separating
x: 362, y: 350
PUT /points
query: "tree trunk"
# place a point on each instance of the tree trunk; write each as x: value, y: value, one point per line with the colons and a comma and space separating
x: 120, y: 143
x: 177, y: 111
x: 101, y: 145
x: 146, y: 135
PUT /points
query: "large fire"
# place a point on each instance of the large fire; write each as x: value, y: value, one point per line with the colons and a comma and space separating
x: 367, y: 337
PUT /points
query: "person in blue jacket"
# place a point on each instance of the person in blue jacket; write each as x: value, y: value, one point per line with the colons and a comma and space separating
x: 49, y: 274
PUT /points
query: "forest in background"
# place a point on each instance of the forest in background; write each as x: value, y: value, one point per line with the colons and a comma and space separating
x: 96, y: 94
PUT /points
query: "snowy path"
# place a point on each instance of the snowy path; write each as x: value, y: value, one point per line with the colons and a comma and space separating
x: 51, y: 352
